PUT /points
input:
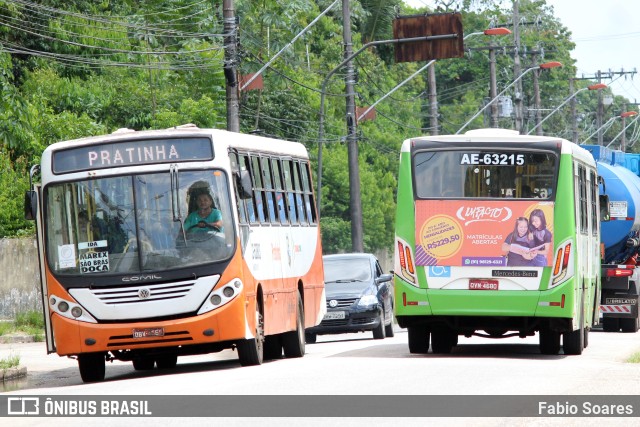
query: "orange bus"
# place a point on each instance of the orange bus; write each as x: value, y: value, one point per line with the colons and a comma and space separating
x: 159, y: 244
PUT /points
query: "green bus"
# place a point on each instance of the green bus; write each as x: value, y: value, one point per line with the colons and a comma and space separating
x: 497, y: 235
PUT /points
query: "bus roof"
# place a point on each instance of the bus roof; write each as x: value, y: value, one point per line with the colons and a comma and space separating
x: 219, y: 137
x: 495, y: 135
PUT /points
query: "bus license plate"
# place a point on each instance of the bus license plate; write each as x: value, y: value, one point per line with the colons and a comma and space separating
x: 148, y: 332
x: 332, y: 315
x: 483, y: 284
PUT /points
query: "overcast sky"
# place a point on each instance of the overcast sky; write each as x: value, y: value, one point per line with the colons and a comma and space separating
x: 606, y: 34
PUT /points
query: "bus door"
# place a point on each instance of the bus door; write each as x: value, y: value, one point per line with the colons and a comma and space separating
x: 33, y: 204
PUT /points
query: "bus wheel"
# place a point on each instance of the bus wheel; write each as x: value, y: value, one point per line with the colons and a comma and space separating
x: 629, y: 324
x: 310, y: 338
x: 91, y: 367
x: 272, y: 347
x: 573, y: 342
x: 167, y: 361
x: 586, y: 337
x: 251, y: 351
x: 549, y: 341
x: 442, y: 340
x: 293, y: 342
x: 418, y: 339
x: 610, y: 324
x: 143, y: 363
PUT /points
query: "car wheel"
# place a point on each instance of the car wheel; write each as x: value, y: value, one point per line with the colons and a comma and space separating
x: 388, y: 330
x: 378, y: 332
x: 310, y: 338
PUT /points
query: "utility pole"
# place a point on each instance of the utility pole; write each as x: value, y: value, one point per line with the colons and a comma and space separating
x: 536, y: 96
x: 433, y: 100
x: 493, y: 85
x: 574, y: 114
x: 517, y: 67
x: 355, y: 203
x: 230, y: 63
x: 600, y: 110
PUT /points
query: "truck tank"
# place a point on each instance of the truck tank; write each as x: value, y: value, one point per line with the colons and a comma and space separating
x: 620, y: 273
x: 620, y: 235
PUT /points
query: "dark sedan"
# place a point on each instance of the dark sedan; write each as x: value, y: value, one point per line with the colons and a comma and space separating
x: 359, y: 297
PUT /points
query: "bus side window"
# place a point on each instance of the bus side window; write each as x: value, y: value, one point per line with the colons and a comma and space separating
x: 291, y: 202
x: 309, y: 202
x: 268, y: 185
x: 250, y: 203
x: 235, y: 167
x: 298, y: 192
x: 277, y: 180
x: 258, y: 192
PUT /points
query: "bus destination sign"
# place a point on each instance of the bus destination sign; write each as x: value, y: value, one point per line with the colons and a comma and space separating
x: 132, y: 153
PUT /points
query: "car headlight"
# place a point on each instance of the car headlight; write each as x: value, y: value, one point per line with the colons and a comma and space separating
x: 368, y: 300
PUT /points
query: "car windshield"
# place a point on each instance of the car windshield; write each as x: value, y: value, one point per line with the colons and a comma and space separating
x: 347, y: 270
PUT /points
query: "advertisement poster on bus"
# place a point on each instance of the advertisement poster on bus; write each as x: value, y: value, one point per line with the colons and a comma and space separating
x: 484, y: 233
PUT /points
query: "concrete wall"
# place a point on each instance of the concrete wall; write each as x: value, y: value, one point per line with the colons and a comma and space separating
x: 19, y: 277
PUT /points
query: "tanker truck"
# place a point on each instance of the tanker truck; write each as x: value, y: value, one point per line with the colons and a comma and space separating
x: 620, y: 238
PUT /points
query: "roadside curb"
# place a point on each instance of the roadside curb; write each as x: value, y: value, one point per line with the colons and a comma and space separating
x: 13, y: 373
x: 16, y: 338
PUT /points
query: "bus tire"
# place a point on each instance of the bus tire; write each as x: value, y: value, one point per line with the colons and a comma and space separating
x: 573, y: 342
x: 167, y: 361
x: 92, y: 367
x: 610, y: 324
x: 418, y: 339
x: 272, y: 347
x: 586, y: 337
x: 442, y: 340
x: 143, y: 363
x: 293, y: 342
x: 251, y: 351
x: 549, y: 341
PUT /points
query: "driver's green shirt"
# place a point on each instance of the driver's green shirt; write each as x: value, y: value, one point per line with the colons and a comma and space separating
x: 193, y: 219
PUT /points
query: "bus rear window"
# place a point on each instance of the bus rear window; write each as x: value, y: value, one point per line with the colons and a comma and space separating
x: 484, y: 174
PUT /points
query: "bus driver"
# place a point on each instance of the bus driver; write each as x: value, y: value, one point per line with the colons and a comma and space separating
x: 205, y: 217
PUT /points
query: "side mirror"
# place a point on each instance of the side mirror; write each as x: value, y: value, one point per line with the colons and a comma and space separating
x: 30, y: 205
x: 605, y: 214
x: 243, y: 182
x: 384, y: 278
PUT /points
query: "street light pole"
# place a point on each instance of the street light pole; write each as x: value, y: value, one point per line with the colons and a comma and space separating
x: 608, y: 123
x: 596, y: 86
x: 544, y: 66
x: 626, y: 127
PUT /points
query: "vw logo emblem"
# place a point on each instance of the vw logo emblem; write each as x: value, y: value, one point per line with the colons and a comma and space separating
x: 333, y: 303
x: 144, y: 293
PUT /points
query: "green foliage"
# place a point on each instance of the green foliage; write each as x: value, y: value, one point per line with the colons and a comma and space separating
x: 157, y: 63
x: 10, y: 361
x: 13, y: 186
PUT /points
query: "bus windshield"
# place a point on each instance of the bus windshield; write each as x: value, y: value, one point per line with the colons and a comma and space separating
x: 473, y: 173
x: 138, y: 223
